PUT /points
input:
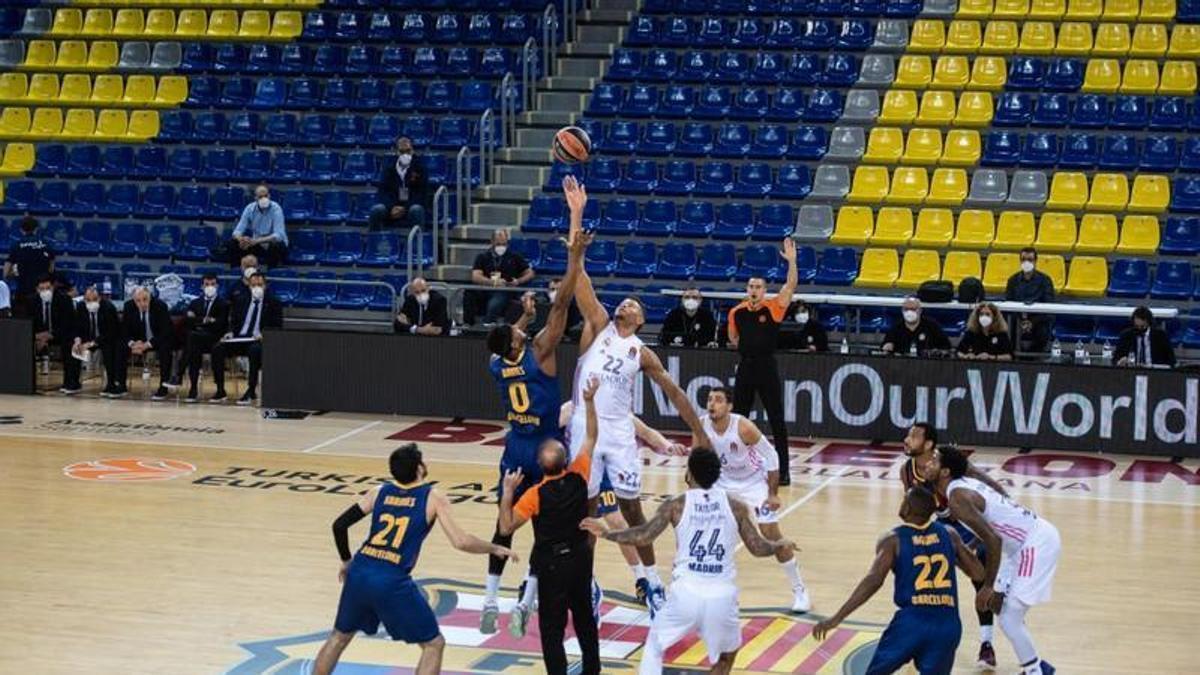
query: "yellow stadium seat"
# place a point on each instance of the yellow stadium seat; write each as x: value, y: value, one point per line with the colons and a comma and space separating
x: 1097, y: 233
x: 108, y: 89
x: 998, y: 270
x: 899, y: 107
x: 14, y: 122
x: 974, y: 9
x: 287, y: 25
x: 893, y: 226
x: 139, y: 90
x: 919, y: 266
x: 67, y: 21
x: 914, y: 71
x: 1185, y: 41
x: 962, y: 148
x: 937, y: 108
x: 1149, y: 40
x: 947, y: 187
x: 854, y: 225
x: 963, y: 37
x: 935, y: 227
x: 43, y: 88
x: 976, y: 229
x: 1083, y: 10
x: 1068, y: 190
x: 1057, y: 232
x: 143, y: 125
x: 1139, y: 235
x: 98, y: 22
x: 172, y: 90
x: 76, y: 88
x: 1141, y: 77
x: 1011, y: 9
x: 1074, y: 39
x: 1178, y: 78
x: 879, y: 268
x: 40, y: 54
x: 1110, y: 192
x: 112, y: 125
x: 1157, y: 10
x: 47, y: 123
x: 1088, y: 277
x: 1055, y: 267
x: 80, y: 124
x: 255, y: 24
x: 927, y: 35
x: 161, y: 23
x: 910, y: 185
x: 103, y: 55
x: 989, y: 72
x: 1047, y: 9
x: 13, y: 87
x: 1000, y: 37
x: 72, y: 54
x: 951, y: 72
x: 1102, y: 76
x: 1037, y: 37
x: 223, y: 23
x: 130, y: 23
x: 923, y: 147
x: 870, y: 184
x: 884, y: 146
x: 18, y: 158
x: 1150, y: 194
x: 1120, y: 10
x: 192, y: 23
x: 1112, y: 39
x: 1014, y: 230
x: 959, y: 265
x: 975, y: 109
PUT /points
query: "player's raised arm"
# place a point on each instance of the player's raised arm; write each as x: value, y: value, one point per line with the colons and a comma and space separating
x: 513, y: 517
x: 653, y: 367
x: 965, y: 507
x: 965, y: 557
x: 758, y: 546
x: 655, y: 439
x: 793, y: 275
x: 556, y: 323
x: 644, y: 534
x: 593, y: 424
x: 467, y: 543
x: 594, y: 315
x: 885, y: 556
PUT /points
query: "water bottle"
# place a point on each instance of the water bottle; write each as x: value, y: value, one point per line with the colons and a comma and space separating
x: 912, y: 349
x: 1080, y: 352
x: 845, y: 349
x: 1107, y: 353
x: 106, y: 289
x: 1056, y: 349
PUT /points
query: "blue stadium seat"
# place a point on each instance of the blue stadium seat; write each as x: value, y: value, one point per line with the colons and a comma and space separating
x: 677, y: 261
x: 1064, y: 75
x: 659, y: 65
x: 1180, y: 236
x: 645, y: 31
x: 546, y: 214
x: 761, y: 260
x: 1188, y: 161
x: 640, y: 101
x: 659, y: 219
x: 460, y: 62
x: 716, y: 262
x: 733, y: 140
x: 288, y: 166
x: 279, y: 129
x: 1159, y: 153
x: 82, y: 160
x: 380, y: 249
x: 228, y: 58
x: 297, y: 204
x: 60, y: 233
x: 253, y: 165
x: 323, y: 167
x: 1168, y: 113
x: 318, y: 292
x: 716, y: 178
x: 770, y: 141
x: 677, y: 31
x: 183, y: 164
x: 190, y: 202
x: 336, y: 94
x: 115, y: 161
x: 823, y: 106
x: 307, y: 247
x: 1014, y: 109
x: 343, y: 248
x: 1026, y: 73
x: 196, y: 58
x: 407, y: 95
x: 1173, y: 280
x: 219, y: 165
x: 427, y: 62
x: 1185, y: 195
x: 808, y: 142
x: 735, y: 220
x: 19, y: 196
x: 1001, y: 148
x: 419, y: 129
x: 640, y: 177
x: 1129, y: 112
x: 841, y: 70
x: 657, y: 139
x: 452, y: 133
x: 440, y: 96
x: 768, y: 68
x: 269, y: 94
x: 348, y: 27
x: 481, y: 29
x: 529, y: 249
x: 698, y: 219
x: 49, y: 160
x: 1074, y: 328
x: 1129, y: 278
x: 678, y: 178
x: 284, y: 285
x: 127, y: 239
x: 162, y: 241
x: 712, y: 103
x: 354, y: 296
x: 696, y: 66
x: 677, y: 101
x: 369, y: 94
x: 1039, y: 150
x: 838, y: 267
x: 236, y: 92
x: 198, y: 242
x: 226, y: 203
x: 1051, y: 110
x: 603, y: 174
x: 332, y: 208
x: 802, y: 69
x: 240, y: 128
x: 559, y: 171
x: 626, y: 66
x: 156, y: 201
x: 554, y: 257
x: 303, y: 93
x: 494, y: 62
x: 620, y: 217
x: 121, y: 200
x: 51, y: 198
x: 1091, y: 111
x: 606, y: 99
x: 92, y: 239
x: 775, y: 221
x: 753, y: 180
x: 695, y: 140
x: 347, y: 130
x: 793, y: 181
x: 601, y: 258
x: 656, y: 304
x: 85, y: 200
x: 315, y: 130
x: 263, y: 59
x: 731, y: 67
x: 1191, y: 333
x: 204, y: 92
x: 1079, y: 151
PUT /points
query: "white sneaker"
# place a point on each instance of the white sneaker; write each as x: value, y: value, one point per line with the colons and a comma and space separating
x: 800, y: 602
x: 518, y: 618
x: 488, y: 618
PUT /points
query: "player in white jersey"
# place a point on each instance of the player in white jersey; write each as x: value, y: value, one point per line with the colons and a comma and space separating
x: 611, y: 351
x: 704, y: 594
x: 1022, y: 575
x: 750, y: 472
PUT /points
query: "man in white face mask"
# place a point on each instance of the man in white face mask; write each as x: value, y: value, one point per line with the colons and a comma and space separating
x: 207, y: 321
x: 914, y: 330
x: 402, y: 191
x: 261, y: 230
x: 53, y: 316
x: 97, y: 327
x: 1030, y: 285
x: 424, y: 311
x: 251, y: 314
x: 498, y: 267
x: 690, y: 324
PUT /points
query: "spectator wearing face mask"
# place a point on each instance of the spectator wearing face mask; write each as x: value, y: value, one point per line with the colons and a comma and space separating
x: 499, y: 267
x: 251, y: 315
x: 98, y: 328
x: 1142, y: 344
x: 249, y: 265
x: 986, y: 337
x: 424, y: 311
x: 402, y: 191
x: 1031, y: 285
x: 261, y: 230
x: 29, y: 259
x: 914, y: 330
x: 807, y: 334
x: 53, y: 316
x: 147, y: 328
x: 207, y: 322
x: 689, y: 324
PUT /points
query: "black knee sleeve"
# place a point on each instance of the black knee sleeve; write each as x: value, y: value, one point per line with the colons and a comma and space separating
x: 496, y: 563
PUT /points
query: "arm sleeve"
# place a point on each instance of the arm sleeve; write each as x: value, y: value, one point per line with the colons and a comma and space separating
x: 1124, y: 346
x: 941, y: 341
x: 966, y: 343
x: 766, y: 450
x: 731, y: 325
x: 341, y: 529
x: 278, y: 224
x: 1004, y: 344
x: 441, y: 317
x: 529, y: 504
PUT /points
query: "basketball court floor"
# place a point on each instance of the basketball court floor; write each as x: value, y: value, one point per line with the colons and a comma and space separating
x: 162, y: 538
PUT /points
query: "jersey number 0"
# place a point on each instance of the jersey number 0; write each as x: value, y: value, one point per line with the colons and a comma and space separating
x: 518, y: 397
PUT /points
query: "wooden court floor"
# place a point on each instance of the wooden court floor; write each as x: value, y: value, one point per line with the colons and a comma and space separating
x: 162, y: 538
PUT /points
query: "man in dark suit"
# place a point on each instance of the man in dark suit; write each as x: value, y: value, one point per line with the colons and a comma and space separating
x: 424, y: 311
x: 207, y: 322
x: 402, y: 191
x: 148, y: 328
x: 249, y: 265
x: 251, y: 314
x: 98, y: 328
x: 1142, y: 344
x: 53, y: 317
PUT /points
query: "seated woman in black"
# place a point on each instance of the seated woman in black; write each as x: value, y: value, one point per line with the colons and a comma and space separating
x: 986, y: 336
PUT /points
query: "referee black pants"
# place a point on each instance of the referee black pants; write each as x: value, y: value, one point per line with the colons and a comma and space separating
x: 760, y: 375
x: 565, y: 583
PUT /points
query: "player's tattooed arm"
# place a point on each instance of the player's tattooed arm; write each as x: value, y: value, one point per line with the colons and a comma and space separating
x: 644, y: 534
x: 885, y: 555
x: 965, y: 557
x: 467, y: 543
x: 758, y: 546
x: 653, y: 367
x: 982, y: 477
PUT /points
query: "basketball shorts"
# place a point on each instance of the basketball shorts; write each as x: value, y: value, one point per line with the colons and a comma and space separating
x: 753, y: 494
x: 606, y: 501
x: 927, y: 637
x: 1028, y: 575
x: 616, y: 457
x: 370, y: 597
x: 521, y: 452
x: 709, y: 608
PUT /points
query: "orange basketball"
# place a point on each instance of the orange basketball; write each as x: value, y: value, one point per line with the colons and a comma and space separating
x: 572, y: 145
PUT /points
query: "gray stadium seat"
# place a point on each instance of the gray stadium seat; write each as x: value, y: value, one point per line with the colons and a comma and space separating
x: 38, y: 20
x: 847, y: 144
x: 877, y: 69
x: 891, y: 34
x: 815, y: 222
x: 988, y: 187
x: 862, y: 105
x: 166, y: 56
x: 134, y: 56
x: 1029, y: 188
x: 12, y: 53
x: 830, y: 182
x: 940, y: 8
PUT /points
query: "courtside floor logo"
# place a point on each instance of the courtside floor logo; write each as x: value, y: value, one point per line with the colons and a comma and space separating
x: 773, y: 641
x: 128, y: 469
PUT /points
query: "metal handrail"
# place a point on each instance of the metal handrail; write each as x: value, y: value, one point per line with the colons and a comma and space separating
x: 441, y: 223
x: 570, y: 17
x: 508, y: 112
x: 549, y: 38
x: 410, y: 264
x: 462, y: 183
x: 487, y: 144
x: 529, y: 72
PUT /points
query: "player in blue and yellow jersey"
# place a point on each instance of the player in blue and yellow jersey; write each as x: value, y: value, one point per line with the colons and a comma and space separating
x: 377, y: 584
x: 922, y: 554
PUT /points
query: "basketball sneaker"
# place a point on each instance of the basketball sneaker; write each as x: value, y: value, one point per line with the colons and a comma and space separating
x: 987, y: 657
x: 488, y: 618
x: 801, y: 603
x: 518, y: 619
x: 641, y: 588
x: 1047, y: 669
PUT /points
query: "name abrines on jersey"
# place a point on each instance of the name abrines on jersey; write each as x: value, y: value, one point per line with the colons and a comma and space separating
x: 925, y: 539
x: 513, y: 371
x: 399, y: 502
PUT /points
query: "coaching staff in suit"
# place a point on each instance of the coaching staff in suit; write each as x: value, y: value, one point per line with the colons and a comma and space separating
x: 754, y: 331
x: 207, y: 322
x: 251, y: 314
x: 98, y: 327
x: 53, y: 316
x: 148, y: 327
x: 1142, y: 344
x: 402, y: 190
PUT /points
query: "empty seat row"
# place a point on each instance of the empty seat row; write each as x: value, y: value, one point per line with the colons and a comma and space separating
x: 700, y: 139
x: 779, y: 33
x: 89, y: 124
x: 271, y: 93
x: 1079, y: 10
x: 990, y: 73
x: 662, y: 218
x: 1164, y: 153
x: 189, y: 23
x: 414, y: 27
x: 934, y: 108
x: 1075, y: 38
x: 93, y: 238
x: 335, y: 59
x: 682, y: 177
x: 1054, y: 232
x: 762, y: 67
x: 1094, y: 111
x: 713, y: 102
x: 437, y: 5
x: 868, y: 8
x: 100, y: 90
x: 922, y: 146
x: 89, y: 55
x: 351, y: 247
x: 673, y: 260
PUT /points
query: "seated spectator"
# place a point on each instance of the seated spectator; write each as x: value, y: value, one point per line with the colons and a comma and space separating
x: 147, y: 328
x: 261, y: 230
x: 424, y: 311
x: 402, y: 191
x: 241, y: 287
x: 500, y: 267
x: 5, y: 300
x: 250, y: 314
x: 207, y: 323
x: 1031, y: 285
x: 689, y: 324
x: 914, y: 330
x: 986, y: 336
x: 1142, y: 344
x: 807, y: 334
x: 542, y: 302
x: 53, y: 316
x: 98, y: 328
x: 29, y: 259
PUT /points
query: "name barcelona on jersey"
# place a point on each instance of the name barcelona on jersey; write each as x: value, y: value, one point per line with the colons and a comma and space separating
x: 373, y: 548
x: 932, y: 575
x: 518, y: 395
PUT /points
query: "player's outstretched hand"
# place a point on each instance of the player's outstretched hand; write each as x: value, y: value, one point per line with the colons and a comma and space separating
x: 575, y: 193
x: 985, y: 598
x: 789, y: 249
x: 594, y: 525
x: 511, y: 480
x: 821, y: 630
x: 589, y: 392
x: 528, y: 305
x: 678, y: 450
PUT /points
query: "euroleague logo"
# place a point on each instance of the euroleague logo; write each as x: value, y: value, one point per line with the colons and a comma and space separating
x: 128, y: 469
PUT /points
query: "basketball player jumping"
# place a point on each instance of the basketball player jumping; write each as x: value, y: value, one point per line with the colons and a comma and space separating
x: 704, y: 593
